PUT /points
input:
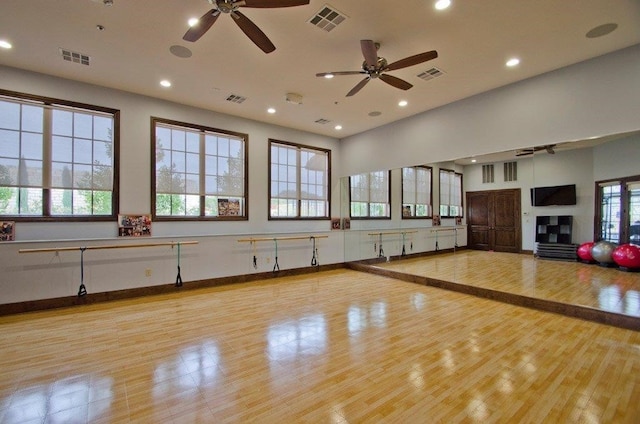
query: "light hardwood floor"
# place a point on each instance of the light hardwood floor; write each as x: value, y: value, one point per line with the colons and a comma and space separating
x: 575, y: 283
x: 328, y: 347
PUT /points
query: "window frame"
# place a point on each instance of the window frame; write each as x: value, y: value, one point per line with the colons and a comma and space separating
x: 65, y: 105
x: 440, y: 204
x: 388, y: 203
x: 299, y: 199
x: 624, y: 221
x: 202, y: 130
x: 430, y: 205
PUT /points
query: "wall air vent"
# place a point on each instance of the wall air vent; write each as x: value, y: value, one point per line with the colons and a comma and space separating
x: 327, y: 18
x: 430, y: 74
x: 487, y: 174
x: 322, y: 121
x: 75, y: 57
x: 510, y: 171
x: 233, y: 98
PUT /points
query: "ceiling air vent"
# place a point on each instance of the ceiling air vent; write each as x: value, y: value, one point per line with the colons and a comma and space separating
x: 430, y: 74
x: 322, y: 121
x: 327, y: 18
x: 233, y: 98
x: 75, y: 57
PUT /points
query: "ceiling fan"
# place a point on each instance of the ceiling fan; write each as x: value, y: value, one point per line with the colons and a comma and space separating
x: 375, y: 67
x: 549, y: 148
x: 246, y: 25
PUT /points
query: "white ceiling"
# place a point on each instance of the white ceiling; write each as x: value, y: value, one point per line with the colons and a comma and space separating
x: 474, y: 38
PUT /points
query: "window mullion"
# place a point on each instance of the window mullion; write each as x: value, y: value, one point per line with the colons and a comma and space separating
x: 299, y: 181
x: 201, y: 172
x: 47, y: 141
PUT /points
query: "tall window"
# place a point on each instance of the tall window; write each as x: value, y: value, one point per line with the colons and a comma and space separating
x: 619, y: 210
x: 200, y: 172
x: 299, y: 181
x: 57, y: 159
x: 416, y: 192
x: 450, y: 193
x: 370, y: 195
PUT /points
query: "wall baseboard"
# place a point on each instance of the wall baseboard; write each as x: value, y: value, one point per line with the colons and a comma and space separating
x: 92, y: 298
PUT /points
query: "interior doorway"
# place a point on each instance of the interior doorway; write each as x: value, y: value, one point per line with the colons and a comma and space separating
x: 493, y: 220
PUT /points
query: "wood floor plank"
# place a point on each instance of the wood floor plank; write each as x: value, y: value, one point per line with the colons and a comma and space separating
x: 337, y: 347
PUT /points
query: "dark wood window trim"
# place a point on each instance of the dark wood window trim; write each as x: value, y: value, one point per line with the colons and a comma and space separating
x: 46, y: 193
x: 298, y: 146
x: 461, y: 191
x: 368, y: 208
x: 201, y: 129
x: 430, y: 216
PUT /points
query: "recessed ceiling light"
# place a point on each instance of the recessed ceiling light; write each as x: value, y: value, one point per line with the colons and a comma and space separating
x: 271, y: 110
x: 5, y: 44
x: 328, y: 76
x: 473, y: 161
x: 193, y: 21
x: 514, y: 61
x: 442, y: 4
x: 403, y: 103
x: 165, y: 83
x: 338, y: 127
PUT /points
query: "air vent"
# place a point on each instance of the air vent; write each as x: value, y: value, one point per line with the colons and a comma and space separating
x: 322, y: 121
x: 430, y: 74
x: 511, y: 171
x: 327, y: 18
x: 233, y: 98
x: 487, y: 174
x: 75, y: 57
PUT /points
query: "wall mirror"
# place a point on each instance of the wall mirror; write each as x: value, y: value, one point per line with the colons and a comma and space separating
x: 582, y: 163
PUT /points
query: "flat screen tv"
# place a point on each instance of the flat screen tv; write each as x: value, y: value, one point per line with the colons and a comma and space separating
x: 554, y: 196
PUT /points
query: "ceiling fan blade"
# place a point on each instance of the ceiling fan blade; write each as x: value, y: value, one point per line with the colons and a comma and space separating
x: 524, y: 153
x: 253, y: 32
x: 358, y: 87
x: 369, y: 52
x: 324, y: 74
x: 412, y: 60
x: 203, y: 25
x: 396, y: 82
x: 274, y: 3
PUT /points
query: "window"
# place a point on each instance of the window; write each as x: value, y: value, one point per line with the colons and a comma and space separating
x: 450, y: 193
x: 57, y: 159
x: 299, y: 181
x: 619, y: 210
x: 200, y: 173
x: 416, y: 192
x: 370, y: 195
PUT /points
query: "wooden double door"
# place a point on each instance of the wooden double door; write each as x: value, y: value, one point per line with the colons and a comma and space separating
x: 493, y: 220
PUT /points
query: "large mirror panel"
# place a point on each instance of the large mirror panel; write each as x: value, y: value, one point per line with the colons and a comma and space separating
x: 504, y: 221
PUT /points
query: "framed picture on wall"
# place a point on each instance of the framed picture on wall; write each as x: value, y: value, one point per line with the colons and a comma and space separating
x: 134, y: 225
x: 346, y: 223
x: 436, y: 220
x: 7, y: 231
x: 335, y: 224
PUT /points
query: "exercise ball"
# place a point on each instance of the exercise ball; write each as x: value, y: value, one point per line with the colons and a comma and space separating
x: 602, y: 251
x: 627, y: 256
x: 584, y: 251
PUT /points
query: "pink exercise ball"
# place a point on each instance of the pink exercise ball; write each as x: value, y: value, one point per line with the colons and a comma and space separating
x: 627, y: 256
x: 584, y: 251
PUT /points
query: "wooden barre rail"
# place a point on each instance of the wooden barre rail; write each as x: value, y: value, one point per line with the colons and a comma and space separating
x: 435, y: 230
x: 392, y: 232
x: 280, y: 238
x: 108, y: 246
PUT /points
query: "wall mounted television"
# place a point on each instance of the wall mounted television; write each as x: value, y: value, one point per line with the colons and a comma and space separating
x: 554, y: 196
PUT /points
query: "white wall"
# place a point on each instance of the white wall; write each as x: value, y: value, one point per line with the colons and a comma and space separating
x: 593, y: 98
x: 597, y: 97
x: 46, y: 275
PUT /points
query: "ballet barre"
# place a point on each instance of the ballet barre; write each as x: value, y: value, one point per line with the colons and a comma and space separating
x: 276, y: 266
x: 447, y: 228
x: 82, y: 291
x: 386, y: 233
